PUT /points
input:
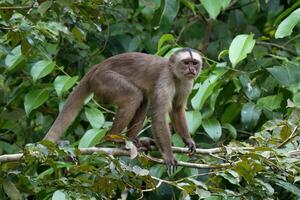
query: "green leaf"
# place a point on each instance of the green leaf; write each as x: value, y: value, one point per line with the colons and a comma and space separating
x: 285, y: 132
x: 287, y: 74
x: 285, y: 28
x: 213, y: 7
x: 240, y: 47
x: 165, y: 38
x: 251, y: 89
x: 92, y: 137
x: 289, y: 187
x: 206, y: 88
x: 170, y: 10
x: 250, y: 114
x: 34, y: 99
x: 270, y: 102
x: 11, y: 190
x: 225, y: 3
x: 41, y: 69
x: 42, y: 9
x: 59, y: 195
x: 95, y: 117
x: 213, y: 128
x: 64, y: 83
x: 194, y: 120
x: 231, y: 112
x: 14, y: 58
x: 231, y: 130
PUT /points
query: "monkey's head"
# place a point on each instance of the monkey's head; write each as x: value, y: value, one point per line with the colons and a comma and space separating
x: 186, y: 63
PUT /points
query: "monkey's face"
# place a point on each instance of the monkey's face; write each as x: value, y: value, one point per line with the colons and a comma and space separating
x: 188, y: 64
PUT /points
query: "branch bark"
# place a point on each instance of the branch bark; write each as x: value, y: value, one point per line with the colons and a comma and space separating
x: 124, y: 152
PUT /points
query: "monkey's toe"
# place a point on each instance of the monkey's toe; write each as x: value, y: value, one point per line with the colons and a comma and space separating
x: 171, y: 166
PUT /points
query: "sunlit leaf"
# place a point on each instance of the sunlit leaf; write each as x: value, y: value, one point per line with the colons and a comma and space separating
x: 64, y: 83
x: 240, y: 47
x: 206, y: 88
x: 213, y: 128
x: 95, y: 117
x: 285, y: 28
x: 34, y: 99
x: 213, y: 7
x: 92, y: 137
x: 41, y: 69
x: 165, y: 38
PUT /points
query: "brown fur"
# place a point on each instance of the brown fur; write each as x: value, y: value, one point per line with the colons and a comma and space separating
x: 134, y: 82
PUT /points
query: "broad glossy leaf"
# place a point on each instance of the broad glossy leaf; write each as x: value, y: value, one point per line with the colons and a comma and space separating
x: 213, y: 7
x: 59, y: 195
x: 165, y: 38
x: 206, y: 88
x: 14, y: 58
x: 168, y: 15
x: 270, y: 102
x: 287, y: 74
x: 231, y: 112
x: 213, y: 128
x: 34, y: 99
x: 95, y: 117
x: 231, y: 130
x: 250, y: 115
x: 240, y: 47
x: 92, y: 137
x: 194, y: 120
x: 64, y: 83
x: 251, y: 89
x: 285, y: 28
x: 41, y: 69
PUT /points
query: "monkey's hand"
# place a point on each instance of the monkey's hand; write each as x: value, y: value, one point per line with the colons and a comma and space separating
x: 191, y: 145
x: 171, y: 165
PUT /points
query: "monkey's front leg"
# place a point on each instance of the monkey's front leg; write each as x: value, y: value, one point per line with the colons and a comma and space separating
x: 162, y: 135
x: 179, y: 122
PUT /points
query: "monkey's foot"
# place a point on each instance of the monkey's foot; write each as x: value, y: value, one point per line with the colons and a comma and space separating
x: 191, y: 145
x: 171, y: 166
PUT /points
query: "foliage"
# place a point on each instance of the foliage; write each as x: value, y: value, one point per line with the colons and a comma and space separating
x: 247, y: 95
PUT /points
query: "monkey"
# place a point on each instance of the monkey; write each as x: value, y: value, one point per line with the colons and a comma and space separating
x: 135, y: 83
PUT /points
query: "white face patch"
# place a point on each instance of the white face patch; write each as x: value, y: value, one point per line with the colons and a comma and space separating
x: 186, y: 55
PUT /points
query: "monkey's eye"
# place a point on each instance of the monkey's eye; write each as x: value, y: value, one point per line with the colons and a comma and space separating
x: 186, y: 62
x: 195, y: 62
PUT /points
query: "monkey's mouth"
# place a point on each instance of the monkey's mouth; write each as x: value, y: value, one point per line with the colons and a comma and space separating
x: 190, y: 74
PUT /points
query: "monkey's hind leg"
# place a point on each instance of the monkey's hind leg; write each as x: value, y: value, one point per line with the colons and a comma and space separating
x: 125, y: 95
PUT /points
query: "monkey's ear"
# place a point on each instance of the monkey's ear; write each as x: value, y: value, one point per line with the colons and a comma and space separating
x: 172, y: 59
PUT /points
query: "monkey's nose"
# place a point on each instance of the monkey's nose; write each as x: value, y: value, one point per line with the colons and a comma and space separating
x: 192, y: 70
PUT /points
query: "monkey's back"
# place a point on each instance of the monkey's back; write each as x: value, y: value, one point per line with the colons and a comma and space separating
x: 141, y: 69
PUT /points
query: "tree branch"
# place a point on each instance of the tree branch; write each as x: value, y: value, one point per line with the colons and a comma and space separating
x: 124, y: 152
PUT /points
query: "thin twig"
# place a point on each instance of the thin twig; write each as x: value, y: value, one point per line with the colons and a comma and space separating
x: 276, y: 45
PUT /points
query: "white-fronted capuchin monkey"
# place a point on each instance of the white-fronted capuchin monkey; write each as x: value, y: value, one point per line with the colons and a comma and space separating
x: 133, y: 82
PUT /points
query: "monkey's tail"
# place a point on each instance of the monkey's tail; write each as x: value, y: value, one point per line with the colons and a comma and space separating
x: 70, y: 110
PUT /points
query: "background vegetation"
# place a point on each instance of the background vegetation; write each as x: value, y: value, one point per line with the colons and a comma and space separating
x: 247, y: 96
